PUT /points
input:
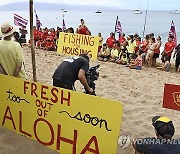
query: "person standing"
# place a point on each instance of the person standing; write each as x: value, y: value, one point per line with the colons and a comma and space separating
x: 100, y: 42
x: 82, y: 29
x: 150, y: 52
x: 168, y: 48
x: 11, y: 55
x: 177, y: 55
x: 22, y: 38
x: 157, y: 50
x: 70, y: 70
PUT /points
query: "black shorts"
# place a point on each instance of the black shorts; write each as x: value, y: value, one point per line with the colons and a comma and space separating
x: 156, y: 55
x: 165, y: 58
x: 168, y: 58
x: 57, y: 83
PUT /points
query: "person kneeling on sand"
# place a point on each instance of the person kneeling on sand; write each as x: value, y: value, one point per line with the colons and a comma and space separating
x: 137, y: 63
x: 166, y: 65
x: 163, y: 144
x: 104, y: 53
x: 70, y: 70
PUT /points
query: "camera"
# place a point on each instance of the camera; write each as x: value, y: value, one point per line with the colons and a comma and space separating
x: 91, y: 76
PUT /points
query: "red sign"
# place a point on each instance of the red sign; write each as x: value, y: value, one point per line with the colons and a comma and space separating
x: 171, y: 98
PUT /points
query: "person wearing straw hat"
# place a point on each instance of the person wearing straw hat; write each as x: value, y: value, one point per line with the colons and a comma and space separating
x: 163, y: 144
x: 11, y: 55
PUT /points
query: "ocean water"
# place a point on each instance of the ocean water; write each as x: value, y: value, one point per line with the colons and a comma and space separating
x: 158, y: 22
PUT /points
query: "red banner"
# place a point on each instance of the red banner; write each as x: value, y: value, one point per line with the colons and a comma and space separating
x: 171, y: 98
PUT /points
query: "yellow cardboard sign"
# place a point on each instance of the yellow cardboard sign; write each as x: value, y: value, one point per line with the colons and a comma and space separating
x: 76, y: 44
x: 66, y: 121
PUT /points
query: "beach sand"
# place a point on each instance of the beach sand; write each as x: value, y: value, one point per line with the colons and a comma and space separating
x: 141, y: 93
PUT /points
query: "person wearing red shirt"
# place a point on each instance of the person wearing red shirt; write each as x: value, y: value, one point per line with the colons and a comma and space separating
x: 168, y: 48
x: 40, y: 32
x: 52, y: 33
x: 44, y: 34
x: 82, y: 29
x: 36, y: 34
x: 122, y: 39
x: 138, y: 42
x: 145, y: 43
x: 110, y: 41
x: 144, y: 47
x: 49, y: 44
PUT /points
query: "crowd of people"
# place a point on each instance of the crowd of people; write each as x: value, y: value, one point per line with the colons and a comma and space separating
x: 47, y: 39
x: 134, y: 52
x: 130, y: 51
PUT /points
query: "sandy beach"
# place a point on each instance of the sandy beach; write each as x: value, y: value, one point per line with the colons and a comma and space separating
x: 141, y: 93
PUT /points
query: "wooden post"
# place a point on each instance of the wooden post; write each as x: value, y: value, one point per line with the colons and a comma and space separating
x: 115, y: 27
x: 32, y: 40
x: 145, y: 20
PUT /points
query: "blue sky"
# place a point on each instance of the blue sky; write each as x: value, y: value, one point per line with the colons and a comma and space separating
x: 117, y: 4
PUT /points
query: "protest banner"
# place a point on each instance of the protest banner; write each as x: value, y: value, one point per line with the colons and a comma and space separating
x: 63, y: 120
x: 75, y: 44
x: 171, y: 98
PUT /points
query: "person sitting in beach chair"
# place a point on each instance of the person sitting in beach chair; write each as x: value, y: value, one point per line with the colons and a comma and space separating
x: 137, y: 63
x: 166, y: 65
x: 104, y: 53
x: 177, y: 54
x: 163, y: 143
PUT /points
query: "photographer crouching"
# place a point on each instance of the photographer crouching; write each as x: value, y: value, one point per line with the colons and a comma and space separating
x: 70, y: 70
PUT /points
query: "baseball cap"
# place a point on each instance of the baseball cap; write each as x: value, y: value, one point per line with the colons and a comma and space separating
x: 163, y: 126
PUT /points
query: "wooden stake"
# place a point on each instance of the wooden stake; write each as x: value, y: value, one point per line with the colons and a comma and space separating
x: 32, y: 40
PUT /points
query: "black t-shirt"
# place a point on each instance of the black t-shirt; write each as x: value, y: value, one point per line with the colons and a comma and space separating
x: 68, y: 70
x: 158, y: 146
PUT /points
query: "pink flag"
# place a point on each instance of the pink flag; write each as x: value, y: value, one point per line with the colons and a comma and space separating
x: 20, y: 21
